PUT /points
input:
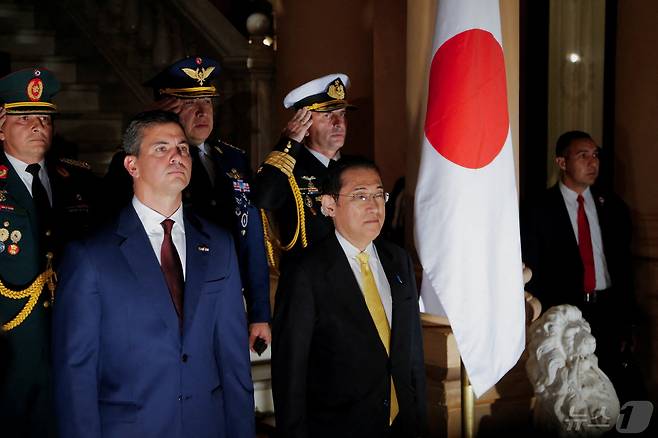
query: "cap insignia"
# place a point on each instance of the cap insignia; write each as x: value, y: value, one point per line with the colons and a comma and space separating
x: 198, y: 61
x: 200, y: 74
x: 37, y: 72
x: 336, y: 90
x: 35, y: 89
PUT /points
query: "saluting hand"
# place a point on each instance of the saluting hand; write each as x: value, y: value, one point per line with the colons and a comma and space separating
x: 169, y: 103
x: 297, y: 127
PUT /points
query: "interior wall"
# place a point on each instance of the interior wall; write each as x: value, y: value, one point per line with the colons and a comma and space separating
x: 636, y: 157
x: 364, y: 39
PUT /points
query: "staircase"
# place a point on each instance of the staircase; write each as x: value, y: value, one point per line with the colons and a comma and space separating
x: 103, y: 50
x: 92, y: 103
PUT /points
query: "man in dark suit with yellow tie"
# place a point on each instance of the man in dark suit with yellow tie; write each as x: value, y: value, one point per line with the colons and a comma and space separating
x: 347, y: 354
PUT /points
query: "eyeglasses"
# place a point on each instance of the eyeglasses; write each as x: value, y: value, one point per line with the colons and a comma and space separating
x: 365, y: 197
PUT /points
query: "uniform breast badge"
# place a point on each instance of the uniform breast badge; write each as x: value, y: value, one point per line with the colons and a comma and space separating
x: 310, y: 190
x: 4, y: 171
x: 15, y: 237
x: 4, y: 235
x: 240, y: 190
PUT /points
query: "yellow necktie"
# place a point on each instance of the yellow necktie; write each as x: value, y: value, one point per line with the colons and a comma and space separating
x: 376, y: 309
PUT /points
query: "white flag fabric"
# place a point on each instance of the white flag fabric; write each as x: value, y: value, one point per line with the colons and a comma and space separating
x: 466, y: 206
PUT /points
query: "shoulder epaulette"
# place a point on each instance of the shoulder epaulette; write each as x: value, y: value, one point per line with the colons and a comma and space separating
x: 76, y: 163
x: 223, y: 143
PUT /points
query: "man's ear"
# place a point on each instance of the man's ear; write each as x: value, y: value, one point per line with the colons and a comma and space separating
x: 130, y: 163
x: 328, y: 205
x: 561, y: 163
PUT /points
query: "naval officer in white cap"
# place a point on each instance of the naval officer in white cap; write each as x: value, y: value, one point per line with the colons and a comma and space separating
x: 288, y: 181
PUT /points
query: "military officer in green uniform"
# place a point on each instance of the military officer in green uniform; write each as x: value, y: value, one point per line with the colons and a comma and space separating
x: 43, y: 203
x: 288, y: 182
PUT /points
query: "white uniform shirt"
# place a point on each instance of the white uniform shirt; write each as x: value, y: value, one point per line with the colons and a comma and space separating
x: 323, y: 158
x: 20, y: 168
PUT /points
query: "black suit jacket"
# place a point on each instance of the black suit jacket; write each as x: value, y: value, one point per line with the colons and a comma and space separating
x: 550, y: 249
x: 331, y: 373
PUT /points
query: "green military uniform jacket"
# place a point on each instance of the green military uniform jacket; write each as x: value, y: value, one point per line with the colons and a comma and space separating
x: 25, y: 407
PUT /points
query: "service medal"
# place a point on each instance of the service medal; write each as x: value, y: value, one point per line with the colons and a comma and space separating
x: 16, y: 236
x: 13, y: 249
x: 4, y: 234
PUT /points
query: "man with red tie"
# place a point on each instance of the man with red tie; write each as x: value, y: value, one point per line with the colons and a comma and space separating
x: 149, y: 327
x: 576, y: 239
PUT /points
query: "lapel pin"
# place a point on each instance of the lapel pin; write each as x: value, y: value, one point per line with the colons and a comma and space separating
x: 203, y: 248
x: 398, y: 279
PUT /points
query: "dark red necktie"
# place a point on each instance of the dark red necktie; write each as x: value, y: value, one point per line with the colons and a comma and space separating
x: 172, y: 269
x: 585, y: 247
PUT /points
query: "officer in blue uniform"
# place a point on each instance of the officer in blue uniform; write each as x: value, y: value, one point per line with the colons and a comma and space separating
x: 220, y: 187
x: 44, y: 202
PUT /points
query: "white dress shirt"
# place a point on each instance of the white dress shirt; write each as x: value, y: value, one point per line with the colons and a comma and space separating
x: 376, y: 268
x: 20, y: 168
x: 571, y: 201
x: 323, y: 158
x: 152, y: 220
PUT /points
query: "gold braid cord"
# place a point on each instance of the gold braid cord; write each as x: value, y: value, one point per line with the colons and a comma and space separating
x: 32, y: 292
x: 269, y: 248
x: 300, y: 229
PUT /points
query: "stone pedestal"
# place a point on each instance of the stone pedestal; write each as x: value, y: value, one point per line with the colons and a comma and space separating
x: 507, y: 407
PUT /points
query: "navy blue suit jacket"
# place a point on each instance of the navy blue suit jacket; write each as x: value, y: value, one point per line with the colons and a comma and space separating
x: 122, y: 367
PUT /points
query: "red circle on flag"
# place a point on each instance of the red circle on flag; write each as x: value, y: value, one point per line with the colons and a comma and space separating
x: 467, y: 120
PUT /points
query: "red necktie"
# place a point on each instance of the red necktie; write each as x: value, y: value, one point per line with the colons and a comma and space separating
x: 172, y: 269
x: 585, y: 248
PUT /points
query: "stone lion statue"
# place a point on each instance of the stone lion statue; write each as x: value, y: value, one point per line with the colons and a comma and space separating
x: 573, y: 396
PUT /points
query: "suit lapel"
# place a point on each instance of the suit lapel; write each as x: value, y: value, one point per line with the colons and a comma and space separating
x: 196, y: 262
x: 562, y: 221
x: 138, y: 252
x: 345, y: 288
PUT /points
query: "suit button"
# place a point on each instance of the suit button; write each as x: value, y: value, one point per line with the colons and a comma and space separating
x: 180, y: 398
x: 386, y: 403
x: 184, y: 358
x: 213, y: 203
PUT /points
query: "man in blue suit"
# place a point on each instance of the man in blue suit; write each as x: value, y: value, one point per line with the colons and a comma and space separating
x: 220, y: 187
x: 150, y: 334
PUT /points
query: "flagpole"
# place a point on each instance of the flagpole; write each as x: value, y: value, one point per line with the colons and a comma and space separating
x: 468, y: 405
